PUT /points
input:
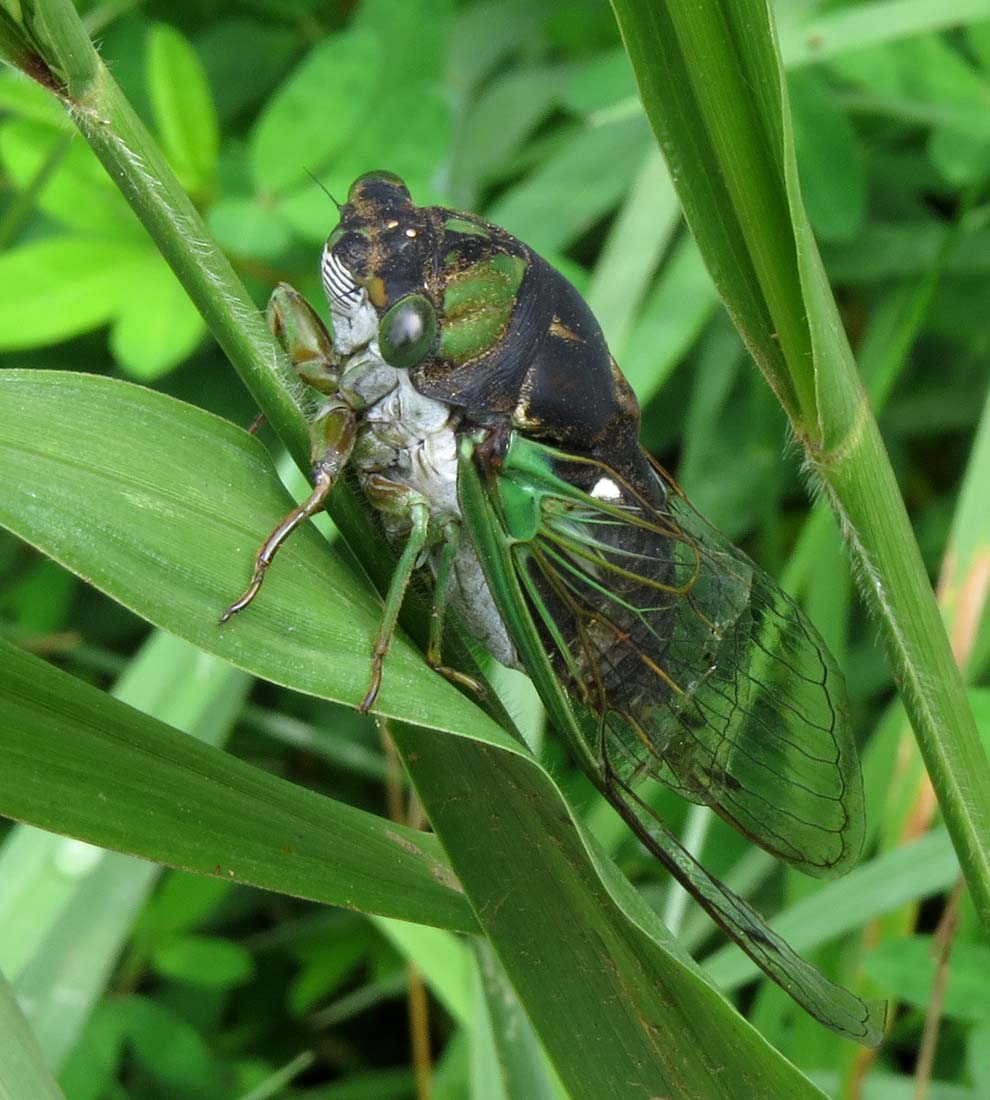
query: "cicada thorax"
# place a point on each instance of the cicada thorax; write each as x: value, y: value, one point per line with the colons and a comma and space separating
x: 518, y: 341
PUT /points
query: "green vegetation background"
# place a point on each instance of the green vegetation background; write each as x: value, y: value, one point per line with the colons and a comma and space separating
x: 526, y: 113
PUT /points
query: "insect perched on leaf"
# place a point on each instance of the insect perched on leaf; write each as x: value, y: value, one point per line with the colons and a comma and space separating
x: 469, y: 387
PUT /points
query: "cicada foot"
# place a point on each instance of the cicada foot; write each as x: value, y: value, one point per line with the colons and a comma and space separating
x: 461, y: 679
x: 375, y: 683
x: 270, y: 547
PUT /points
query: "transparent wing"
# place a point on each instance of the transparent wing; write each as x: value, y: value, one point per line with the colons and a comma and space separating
x: 703, y: 672
x: 830, y: 1004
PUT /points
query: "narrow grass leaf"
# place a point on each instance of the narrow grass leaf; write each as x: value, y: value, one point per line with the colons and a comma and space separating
x: 24, y: 1074
x: 80, y: 762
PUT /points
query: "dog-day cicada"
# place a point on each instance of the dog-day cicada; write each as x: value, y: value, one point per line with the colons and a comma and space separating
x: 469, y: 388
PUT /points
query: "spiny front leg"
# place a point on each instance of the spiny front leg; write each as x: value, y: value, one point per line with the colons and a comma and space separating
x: 298, y: 328
x: 332, y: 431
x: 335, y: 428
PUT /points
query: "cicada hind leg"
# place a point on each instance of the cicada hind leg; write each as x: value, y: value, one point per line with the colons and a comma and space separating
x: 332, y: 431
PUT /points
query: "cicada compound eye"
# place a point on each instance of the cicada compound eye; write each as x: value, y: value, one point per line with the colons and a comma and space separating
x: 406, y: 332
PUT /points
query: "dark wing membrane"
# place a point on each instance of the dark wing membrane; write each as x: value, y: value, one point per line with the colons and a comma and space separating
x: 703, y: 672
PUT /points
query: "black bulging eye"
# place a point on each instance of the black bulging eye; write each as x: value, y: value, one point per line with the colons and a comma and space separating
x: 407, y: 331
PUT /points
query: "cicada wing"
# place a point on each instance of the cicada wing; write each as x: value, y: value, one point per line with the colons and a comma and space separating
x: 830, y: 1004
x: 765, y: 738
x: 706, y: 674
x: 546, y: 606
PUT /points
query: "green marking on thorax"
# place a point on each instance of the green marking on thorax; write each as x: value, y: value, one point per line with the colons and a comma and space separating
x: 477, y: 305
x: 462, y: 225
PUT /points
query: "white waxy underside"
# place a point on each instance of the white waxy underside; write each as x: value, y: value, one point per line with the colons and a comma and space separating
x: 409, y: 439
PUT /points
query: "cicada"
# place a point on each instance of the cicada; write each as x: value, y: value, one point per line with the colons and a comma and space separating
x: 469, y: 388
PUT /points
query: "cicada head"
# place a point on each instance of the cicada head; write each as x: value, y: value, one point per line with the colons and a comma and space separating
x: 476, y: 317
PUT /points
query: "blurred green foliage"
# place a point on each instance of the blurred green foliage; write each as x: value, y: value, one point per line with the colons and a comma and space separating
x: 525, y: 111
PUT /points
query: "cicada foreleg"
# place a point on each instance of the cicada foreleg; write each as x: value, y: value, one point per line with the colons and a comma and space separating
x: 332, y: 430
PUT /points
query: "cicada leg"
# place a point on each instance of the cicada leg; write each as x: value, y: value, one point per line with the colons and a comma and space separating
x: 451, y: 544
x: 332, y: 431
x: 298, y: 328
x: 391, y: 496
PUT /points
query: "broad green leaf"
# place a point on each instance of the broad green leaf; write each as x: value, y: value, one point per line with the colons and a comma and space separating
x: 520, y: 1067
x: 244, y: 227
x: 422, y: 116
x: 181, y: 903
x: 72, y: 906
x: 412, y: 36
x: 26, y: 99
x: 316, y: 111
x: 892, y: 250
x: 601, y: 84
x: 978, y: 1058
x: 166, y: 1046
x: 906, y: 969
x: 79, y: 193
x: 442, y: 960
x: 157, y: 326
x: 639, y: 236
x: 79, y: 762
x: 206, y: 961
x: 497, y: 124
x: 960, y: 155
x: 243, y: 58
x: 484, y: 34
x: 833, y: 176
x: 675, y: 311
x: 191, y: 497
x: 810, y: 33
x: 63, y: 286
x: 183, y: 107
x: 571, y: 184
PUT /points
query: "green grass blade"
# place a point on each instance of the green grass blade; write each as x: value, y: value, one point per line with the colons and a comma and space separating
x: 67, y: 908
x: 815, y: 35
x: 712, y: 86
x: 79, y: 762
x: 23, y: 1072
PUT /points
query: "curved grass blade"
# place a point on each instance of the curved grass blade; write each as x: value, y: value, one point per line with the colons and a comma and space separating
x: 80, y: 762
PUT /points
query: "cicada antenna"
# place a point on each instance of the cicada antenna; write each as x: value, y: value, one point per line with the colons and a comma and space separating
x: 323, y: 188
